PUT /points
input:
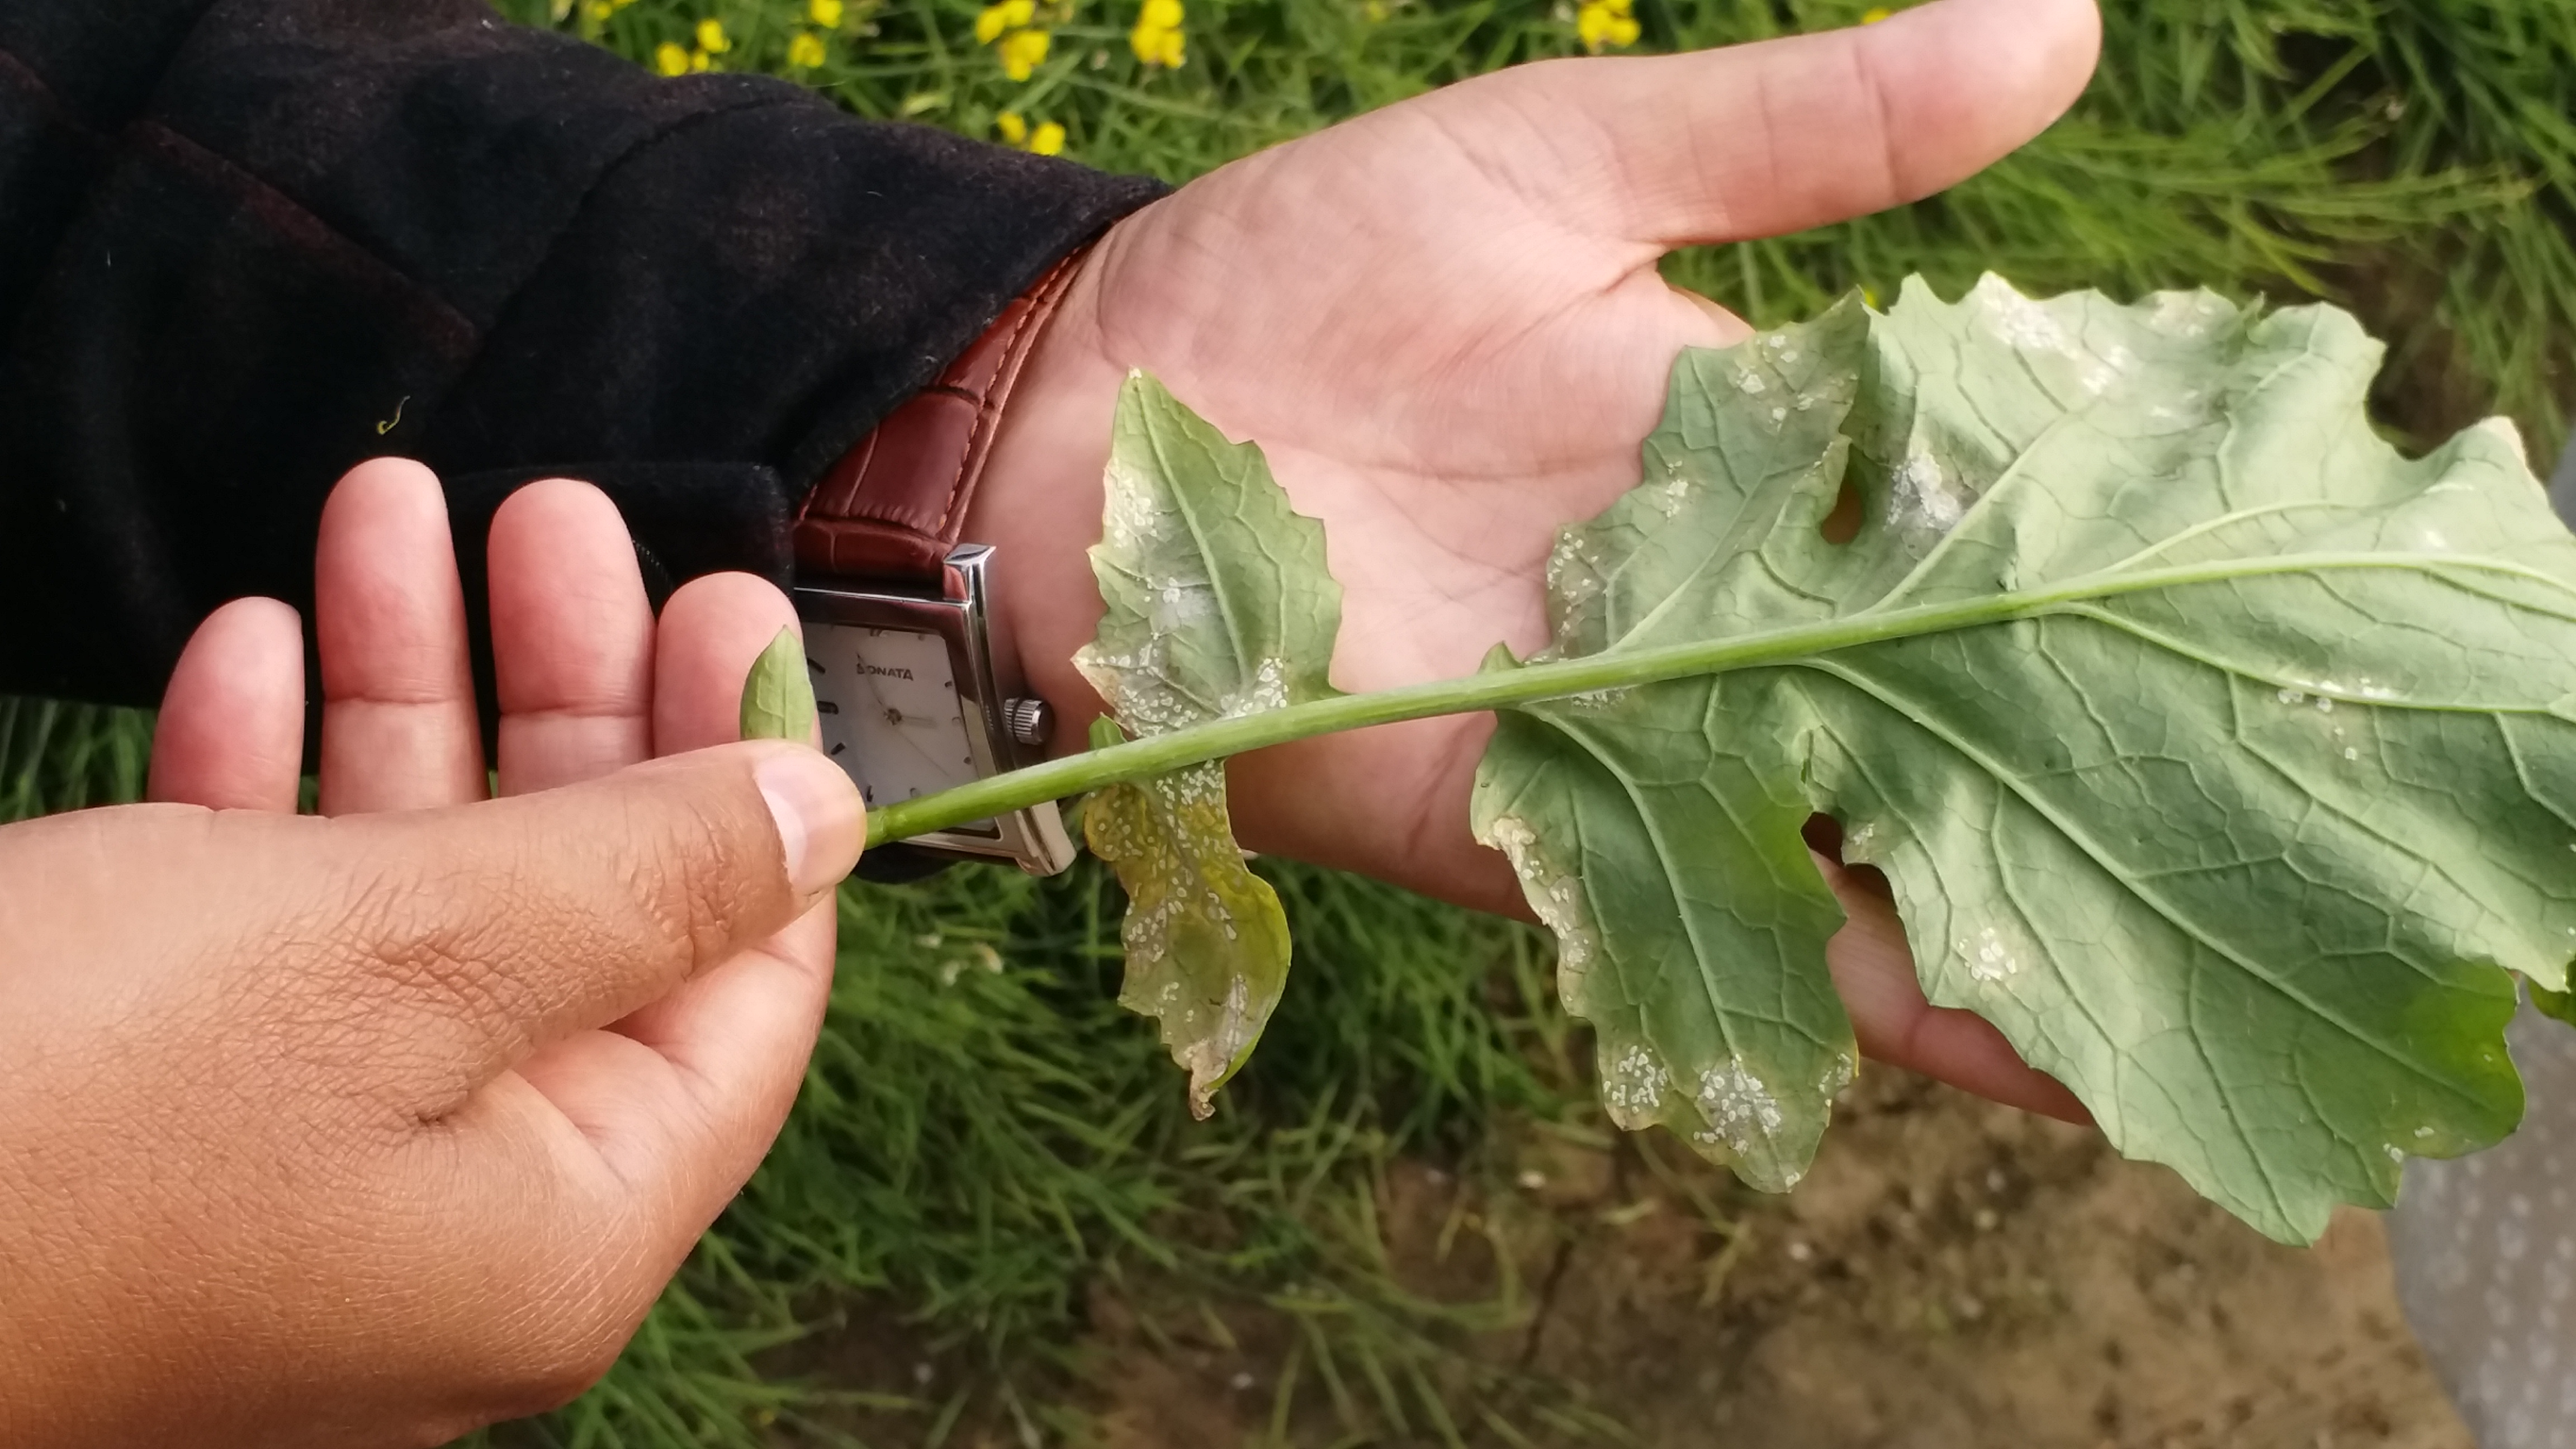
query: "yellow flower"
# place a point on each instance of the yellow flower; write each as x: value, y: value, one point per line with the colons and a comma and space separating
x: 670, y: 59
x: 1157, y: 38
x: 1605, y: 24
x: 1048, y: 140
x: 1021, y: 50
x: 1873, y: 15
x: 1008, y: 15
x: 711, y: 37
x: 597, y: 11
x: 806, y: 51
x: 826, y: 13
x: 700, y: 60
x: 1013, y: 126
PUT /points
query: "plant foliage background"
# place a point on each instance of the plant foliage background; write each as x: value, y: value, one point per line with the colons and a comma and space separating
x: 987, y: 1144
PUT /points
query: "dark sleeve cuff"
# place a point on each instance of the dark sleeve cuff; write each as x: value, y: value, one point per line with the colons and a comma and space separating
x: 330, y: 229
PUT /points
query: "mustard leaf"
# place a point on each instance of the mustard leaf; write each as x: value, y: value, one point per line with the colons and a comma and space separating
x: 1219, y: 605
x: 2222, y: 757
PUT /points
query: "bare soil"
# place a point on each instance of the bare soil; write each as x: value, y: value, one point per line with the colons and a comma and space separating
x: 1952, y: 1275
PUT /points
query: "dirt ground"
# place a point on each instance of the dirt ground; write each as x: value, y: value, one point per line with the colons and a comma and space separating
x: 1952, y: 1275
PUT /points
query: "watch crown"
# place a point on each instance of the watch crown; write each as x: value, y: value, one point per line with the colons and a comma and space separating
x: 1030, y: 720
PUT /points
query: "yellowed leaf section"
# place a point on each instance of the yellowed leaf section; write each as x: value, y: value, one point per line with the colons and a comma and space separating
x: 1207, y: 944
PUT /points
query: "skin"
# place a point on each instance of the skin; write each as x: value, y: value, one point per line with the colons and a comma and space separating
x: 1443, y: 324
x: 373, y: 1128
x: 370, y: 1127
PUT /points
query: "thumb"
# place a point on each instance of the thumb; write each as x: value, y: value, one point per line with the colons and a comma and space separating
x: 510, y: 923
x: 1777, y: 136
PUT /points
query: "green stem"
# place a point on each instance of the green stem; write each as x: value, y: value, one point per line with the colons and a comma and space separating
x: 1159, y: 755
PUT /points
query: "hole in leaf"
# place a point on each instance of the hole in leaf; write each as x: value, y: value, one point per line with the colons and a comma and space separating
x: 1842, y: 525
x: 1824, y: 836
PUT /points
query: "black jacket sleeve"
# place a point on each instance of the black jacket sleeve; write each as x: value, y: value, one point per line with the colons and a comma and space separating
x: 247, y: 243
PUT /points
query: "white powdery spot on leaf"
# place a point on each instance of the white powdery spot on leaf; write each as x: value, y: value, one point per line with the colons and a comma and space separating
x: 1131, y: 520
x: 1181, y: 607
x: 1551, y: 892
x: 1633, y: 1084
x: 2016, y: 320
x: 1989, y: 958
x: 1921, y: 499
x: 1572, y: 575
x: 2188, y: 314
x: 1838, y: 1075
x: 2103, y: 373
x: 1739, y: 1109
x: 1267, y: 691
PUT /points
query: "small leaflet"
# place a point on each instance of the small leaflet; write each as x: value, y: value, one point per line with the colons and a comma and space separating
x: 778, y: 695
x: 1207, y: 942
x: 1218, y: 604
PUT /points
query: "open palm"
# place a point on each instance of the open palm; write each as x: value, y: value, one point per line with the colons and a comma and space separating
x: 1444, y: 325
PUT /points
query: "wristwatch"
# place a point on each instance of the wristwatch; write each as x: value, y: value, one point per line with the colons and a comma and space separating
x: 915, y: 678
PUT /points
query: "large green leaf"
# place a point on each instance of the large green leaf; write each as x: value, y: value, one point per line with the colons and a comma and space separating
x: 1219, y: 604
x: 2219, y: 755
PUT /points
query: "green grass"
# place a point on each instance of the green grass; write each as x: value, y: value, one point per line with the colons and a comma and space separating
x: 990, y: 1157
x: 985, y: 1140
x: 56, y: 756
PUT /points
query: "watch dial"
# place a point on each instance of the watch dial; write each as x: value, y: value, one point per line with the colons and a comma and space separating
x: 889, y: 709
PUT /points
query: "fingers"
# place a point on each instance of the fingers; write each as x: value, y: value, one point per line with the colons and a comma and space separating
x: 398, y: 725
x: 689, y: 1091
x: 572, y: 638
x: 1758, y: 140
x: 711, y: 631
x: 1874, y: 974
x: 231, y: 731
x: 522, y: 921
x: 683, y: 1098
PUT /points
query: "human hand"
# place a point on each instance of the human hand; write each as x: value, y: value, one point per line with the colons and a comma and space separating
x: 1443, y: 324
x: 373, y: 1129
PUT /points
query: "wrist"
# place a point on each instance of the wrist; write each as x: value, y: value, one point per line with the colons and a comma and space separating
x: 1039, y: 504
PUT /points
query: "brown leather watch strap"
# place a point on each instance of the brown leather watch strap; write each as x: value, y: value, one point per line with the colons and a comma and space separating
x: 892, y: 507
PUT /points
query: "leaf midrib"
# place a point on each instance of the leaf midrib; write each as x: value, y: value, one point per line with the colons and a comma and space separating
x: 1616, y: 668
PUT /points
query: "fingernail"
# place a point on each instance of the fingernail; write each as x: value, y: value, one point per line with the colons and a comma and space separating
x: 821, y: 821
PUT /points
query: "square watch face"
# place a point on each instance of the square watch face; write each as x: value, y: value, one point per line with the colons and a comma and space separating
x: 890, y: 709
